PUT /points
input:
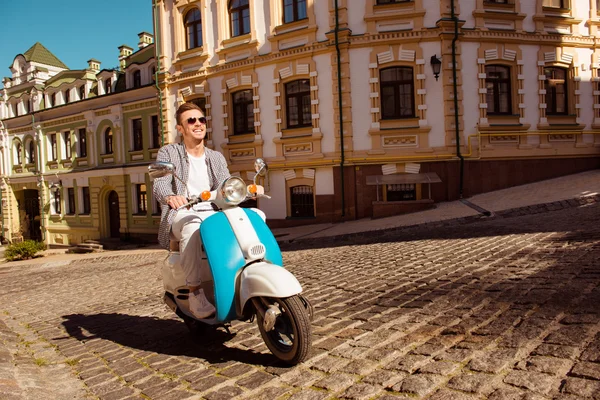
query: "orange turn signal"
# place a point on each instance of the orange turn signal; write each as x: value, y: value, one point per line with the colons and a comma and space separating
x: 252, y: 189
x: 205, y: 196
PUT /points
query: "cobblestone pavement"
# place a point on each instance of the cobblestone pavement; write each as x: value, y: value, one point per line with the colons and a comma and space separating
x: 507, y: 308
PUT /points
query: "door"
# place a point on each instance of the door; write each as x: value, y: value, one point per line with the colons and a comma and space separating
x: 32, y: 215
x: 113, y: 212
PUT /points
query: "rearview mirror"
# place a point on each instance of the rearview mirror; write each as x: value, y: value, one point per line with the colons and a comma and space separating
x: 160, y: 168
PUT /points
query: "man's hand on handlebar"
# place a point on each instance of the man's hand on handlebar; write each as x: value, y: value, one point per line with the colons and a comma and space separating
x: 175, y: 201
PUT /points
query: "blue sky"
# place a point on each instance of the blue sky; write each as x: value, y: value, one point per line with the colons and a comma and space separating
x: 73, y: 30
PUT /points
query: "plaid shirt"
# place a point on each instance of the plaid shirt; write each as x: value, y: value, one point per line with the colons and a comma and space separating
x: 168, y: 186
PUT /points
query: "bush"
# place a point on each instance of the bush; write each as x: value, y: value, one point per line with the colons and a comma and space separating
x: 23, y: 250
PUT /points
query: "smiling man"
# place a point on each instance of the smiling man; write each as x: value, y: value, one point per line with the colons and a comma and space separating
x: 201, y: 169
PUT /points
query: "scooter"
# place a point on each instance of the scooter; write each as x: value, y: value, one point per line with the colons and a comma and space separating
x: 242, y: 271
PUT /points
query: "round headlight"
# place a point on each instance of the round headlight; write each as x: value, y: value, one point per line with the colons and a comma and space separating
x: 234, y: 190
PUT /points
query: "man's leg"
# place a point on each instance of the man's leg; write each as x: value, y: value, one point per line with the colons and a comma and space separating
x: 185, y: 228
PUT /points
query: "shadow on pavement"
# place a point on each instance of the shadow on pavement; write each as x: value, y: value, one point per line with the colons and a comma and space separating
x: 162, y: 336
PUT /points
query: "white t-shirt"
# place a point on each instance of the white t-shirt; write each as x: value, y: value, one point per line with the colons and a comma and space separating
x: 198, y: 180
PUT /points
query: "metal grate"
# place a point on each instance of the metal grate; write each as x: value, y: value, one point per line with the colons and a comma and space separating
x: 302, y: 201
x: 401, y: 192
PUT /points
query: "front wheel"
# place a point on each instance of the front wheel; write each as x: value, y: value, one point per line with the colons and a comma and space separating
x: 290, y: 339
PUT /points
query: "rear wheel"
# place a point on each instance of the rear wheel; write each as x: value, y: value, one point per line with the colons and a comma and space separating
x: 290, y: 339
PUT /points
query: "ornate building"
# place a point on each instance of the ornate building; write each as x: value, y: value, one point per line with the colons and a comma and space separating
x: 373, y: 107
x: 75, y: 145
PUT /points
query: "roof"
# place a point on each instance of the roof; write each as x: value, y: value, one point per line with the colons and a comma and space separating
x: 41, y: 55
x: 141, y: 56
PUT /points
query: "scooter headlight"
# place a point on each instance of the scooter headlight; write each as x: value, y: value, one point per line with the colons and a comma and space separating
x: 234, y: 190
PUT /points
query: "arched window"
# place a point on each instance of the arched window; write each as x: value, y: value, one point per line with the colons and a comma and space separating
x: 193, y: 29
x: 397, y: 93
x: 243, y: 112
x: 137, y: 79
x: 31, y: 152
x: 18, y: 150
x: 108, y: 141
x: 556, y: 91
x: 82, y: 92
x: 497, y: 83
x: 297, y: 103
x: 67, y: 96
x: 53, y: 100
x: 108, y: 86
x: 239, y: 17
x: 294, y: 10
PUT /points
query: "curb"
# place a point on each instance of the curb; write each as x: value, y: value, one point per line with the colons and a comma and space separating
x: 579, y: 201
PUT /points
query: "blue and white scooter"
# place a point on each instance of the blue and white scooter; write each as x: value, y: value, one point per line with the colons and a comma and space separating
x: 243, y: 272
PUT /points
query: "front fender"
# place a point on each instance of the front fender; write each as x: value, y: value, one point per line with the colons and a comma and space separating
x: 268, y: 280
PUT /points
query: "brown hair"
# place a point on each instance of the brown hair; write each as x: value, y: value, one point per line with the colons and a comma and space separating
x: 186, y: 107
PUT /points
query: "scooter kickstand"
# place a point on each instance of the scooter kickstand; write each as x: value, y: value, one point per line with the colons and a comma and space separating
x: 227, y: 329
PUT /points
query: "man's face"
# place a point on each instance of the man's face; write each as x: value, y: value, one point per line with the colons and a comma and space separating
x: 191, y: 126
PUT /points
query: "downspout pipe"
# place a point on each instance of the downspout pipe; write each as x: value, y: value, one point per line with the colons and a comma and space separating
x: 341, y: 117
x: 455, y: 88
x: 156, y: 72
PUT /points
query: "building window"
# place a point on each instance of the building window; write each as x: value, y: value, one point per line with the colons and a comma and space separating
x: 141, y: 197
x: 155, y: 132
x: 294, y: 10
x: 137, y: 79
x: 67, y: 136
x: 108, y: 141
x: 53, y: 152
x: 302, y: 203
x: 556, y: 3
x: 556, y: 91
x: 57, y: 209
x: 108, y: 86
x: 138, y: 141
x: 297, y: 100
x: 239, y: 13
x: 18, y: 150
x: 497, y: 1
x: 71, y: 201
x: 82, y: 92
x: 31, y: 153
x: 82, y: 143
x: 53, y: 100
x: 243, y: 112
x: 67, y: 96
x: 401, y: 192
x: 193, y: 29
x: 497, y: 83
x: 85, y: 194
x: 397, y: 93
x: 153, y: 74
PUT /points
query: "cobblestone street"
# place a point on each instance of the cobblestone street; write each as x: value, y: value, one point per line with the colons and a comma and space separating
x: 506, y: 308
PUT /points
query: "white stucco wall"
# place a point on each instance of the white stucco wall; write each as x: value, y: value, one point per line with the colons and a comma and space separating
x: 261, y: 17
x: 528, y: 8
x: 582, y: 12
x: 322, y: 17
x: 361, y: 101
x: 470, y: 87
x: 433, y: 12
x: 434, y: 98
x: 324, y: 181
x: 356, y: 17
x: 466, y: 13
x: 531, y: 86
x: 586, y: 99
x: 267, y: 109
x: 216, y: 99
x: 275, y: 207
x: 326, y: 96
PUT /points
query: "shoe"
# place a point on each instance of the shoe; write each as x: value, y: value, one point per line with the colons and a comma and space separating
x: 200, y: 307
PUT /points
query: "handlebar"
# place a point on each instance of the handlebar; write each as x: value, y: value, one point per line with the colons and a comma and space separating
x: 197, y: 199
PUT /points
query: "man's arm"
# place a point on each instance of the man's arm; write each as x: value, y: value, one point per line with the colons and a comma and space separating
x: 163, y: 186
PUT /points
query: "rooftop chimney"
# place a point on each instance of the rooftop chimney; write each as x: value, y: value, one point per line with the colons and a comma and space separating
x: 124, y: 52
x: 94, y: 65
x: 145, y: 39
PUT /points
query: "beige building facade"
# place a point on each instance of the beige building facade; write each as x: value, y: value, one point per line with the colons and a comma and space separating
x: 75, y: 145
x: 345, y: 101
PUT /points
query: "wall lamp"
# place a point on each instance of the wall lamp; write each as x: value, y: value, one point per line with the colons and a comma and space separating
x: 55, y: 186
x: 436, y: 66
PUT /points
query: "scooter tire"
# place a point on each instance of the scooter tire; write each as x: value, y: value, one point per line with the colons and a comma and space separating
x: 295, y: 321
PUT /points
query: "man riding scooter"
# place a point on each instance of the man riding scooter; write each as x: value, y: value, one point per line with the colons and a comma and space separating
x: 201, y: 169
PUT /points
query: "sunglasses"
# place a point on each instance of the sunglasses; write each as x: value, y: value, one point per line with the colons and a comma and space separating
x: 192, y: 120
